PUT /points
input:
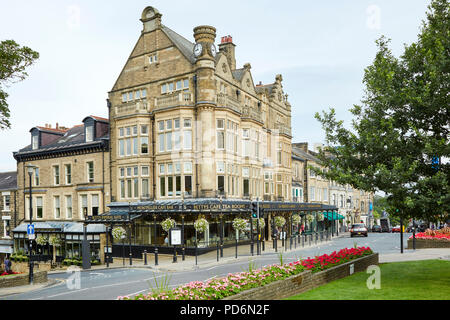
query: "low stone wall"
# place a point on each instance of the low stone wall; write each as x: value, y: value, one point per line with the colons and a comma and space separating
x: 305, y: 281
x: 23, y: 266
x: 22, y: 279
x: 427, y: 243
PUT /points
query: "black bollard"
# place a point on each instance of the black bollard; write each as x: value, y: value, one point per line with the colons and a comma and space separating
x: 218, y: 251
x: 145, y: 257
x: 156, y: 256
x: 174, y: 254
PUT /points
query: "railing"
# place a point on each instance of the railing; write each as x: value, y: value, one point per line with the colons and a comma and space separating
x: 283, y: 129
x: 133, y: 107
x: 224, y: 100
x: 173, y: 100
x: 248, y: 112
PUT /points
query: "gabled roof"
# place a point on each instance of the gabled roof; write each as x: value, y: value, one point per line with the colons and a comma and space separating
x: 238, y: 74
x: 303, y: 155
x: 185, y: 46
x: 8, y: 180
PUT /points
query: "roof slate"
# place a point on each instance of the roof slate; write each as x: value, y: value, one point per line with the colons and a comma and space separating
x: 8, y: 180
x: 72, y: 137
x: 185, y: 46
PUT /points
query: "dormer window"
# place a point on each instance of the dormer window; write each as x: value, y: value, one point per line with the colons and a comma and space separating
x: 89, y: 133
x: 35, y: 142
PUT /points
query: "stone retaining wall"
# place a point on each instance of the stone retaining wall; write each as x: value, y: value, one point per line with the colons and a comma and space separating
x: 23, y: 266
x: 22, y: 279
x: 427, y: 243
x: 305, y: 281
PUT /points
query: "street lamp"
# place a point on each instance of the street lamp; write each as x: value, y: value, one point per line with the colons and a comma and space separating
x: 30, y: 170
x: 86, y: 247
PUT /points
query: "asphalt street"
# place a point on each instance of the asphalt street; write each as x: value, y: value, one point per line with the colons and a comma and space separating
x: 109, y: 284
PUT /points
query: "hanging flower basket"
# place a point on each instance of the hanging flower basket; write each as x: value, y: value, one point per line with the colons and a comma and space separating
x: 168, y: 224
x: 262, y: 223
x: 279, y: 221
x: 201, y: 225
x: 240, y: 224
x: 309, y: 218
x: 296, y: 219
x: 320, y: 216
x: 41, y: 241
x: 119, y: 233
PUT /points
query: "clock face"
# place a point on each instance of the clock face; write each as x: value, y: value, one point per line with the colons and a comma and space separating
x: 198, y: 49
x: 213, y: 50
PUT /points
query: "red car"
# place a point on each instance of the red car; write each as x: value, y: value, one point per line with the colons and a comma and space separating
x: 396, y: 229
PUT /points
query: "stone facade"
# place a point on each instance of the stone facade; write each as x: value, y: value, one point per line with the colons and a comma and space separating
x: 66, y: 178
x: 209, y: 130
x: 8, y: 204
x: 352, y: 203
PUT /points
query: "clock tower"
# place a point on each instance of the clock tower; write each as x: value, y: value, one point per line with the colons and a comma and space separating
x: 204, y: 52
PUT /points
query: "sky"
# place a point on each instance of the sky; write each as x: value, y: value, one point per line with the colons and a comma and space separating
x: 320, y: 47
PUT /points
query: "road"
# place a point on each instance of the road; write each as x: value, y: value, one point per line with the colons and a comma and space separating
x: 109, y: 284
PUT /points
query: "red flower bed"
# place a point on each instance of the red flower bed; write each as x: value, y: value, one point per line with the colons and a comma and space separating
x: 437, y: 236
x: 6, y: 273
x: 327, y: 261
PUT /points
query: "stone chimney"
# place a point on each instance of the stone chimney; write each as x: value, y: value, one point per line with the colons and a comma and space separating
x: 301, y: 145
x: 227, y: 47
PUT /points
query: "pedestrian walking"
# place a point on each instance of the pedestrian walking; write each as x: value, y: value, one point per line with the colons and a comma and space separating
x: 8, y: 265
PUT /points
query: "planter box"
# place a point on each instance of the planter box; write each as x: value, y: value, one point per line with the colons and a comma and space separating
x: 305, y: 281
x: 427, y: 243
x: 22, y: 279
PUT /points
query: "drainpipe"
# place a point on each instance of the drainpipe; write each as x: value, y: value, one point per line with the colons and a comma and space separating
x: 152, y: 123
x: 196, y: 138
x: 110, y: 152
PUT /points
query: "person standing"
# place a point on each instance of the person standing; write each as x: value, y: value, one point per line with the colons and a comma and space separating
x: 8, y: 265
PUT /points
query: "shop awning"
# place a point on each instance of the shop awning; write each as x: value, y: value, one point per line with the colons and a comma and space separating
x: 60, y: 227
x: 332, y: 216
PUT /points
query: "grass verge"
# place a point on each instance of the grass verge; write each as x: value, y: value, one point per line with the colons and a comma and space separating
x: 414, y: 280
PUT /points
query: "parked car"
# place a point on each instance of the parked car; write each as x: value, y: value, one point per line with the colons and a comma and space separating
x: 358, y: 229
x: 376, y: 228
x: 396, y: 229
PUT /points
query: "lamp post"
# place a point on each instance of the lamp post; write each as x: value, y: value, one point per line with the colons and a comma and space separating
x: 129, y: 235
x: 30, y: 169
x: 86, y: 246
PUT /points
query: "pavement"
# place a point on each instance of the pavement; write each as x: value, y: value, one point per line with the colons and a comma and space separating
x: 166, y: 264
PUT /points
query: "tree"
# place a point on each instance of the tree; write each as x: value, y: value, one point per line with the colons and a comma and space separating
x: 401, y: 128
x: 14, y: 60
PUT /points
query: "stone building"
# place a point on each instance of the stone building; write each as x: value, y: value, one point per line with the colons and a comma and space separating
x: 69, y: 179
x: 193, y: 135
x: 8, y: 210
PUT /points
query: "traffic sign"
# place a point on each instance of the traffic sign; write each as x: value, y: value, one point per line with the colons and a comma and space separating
x: 32, y: 236
x: 30, y: 229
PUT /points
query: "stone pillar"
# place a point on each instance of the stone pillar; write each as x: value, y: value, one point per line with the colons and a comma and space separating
x: 205, y: 103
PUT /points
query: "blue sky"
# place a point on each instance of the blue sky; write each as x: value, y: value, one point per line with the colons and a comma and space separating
x: 320, y: 47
